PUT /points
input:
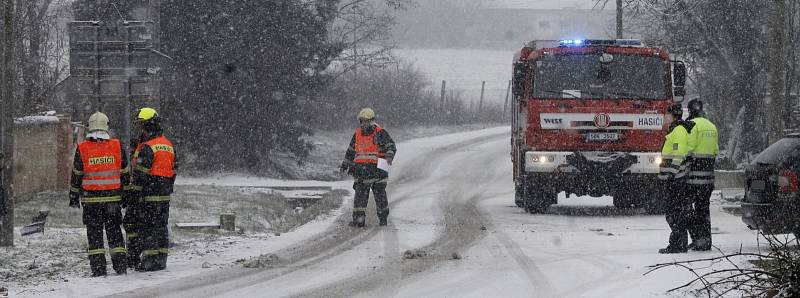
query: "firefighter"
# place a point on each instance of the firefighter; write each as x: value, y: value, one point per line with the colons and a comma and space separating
x: 703, y: 150
x: 152, y: 180
x: 99, y: 171
x: 673, y: 173
x: 369, y: 144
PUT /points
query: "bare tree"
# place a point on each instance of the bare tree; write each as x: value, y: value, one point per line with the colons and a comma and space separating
x: 776, y: 71
x: 775, y: 273
x: 41, y: 47
x: 730, y: 57
x: 363, y: 30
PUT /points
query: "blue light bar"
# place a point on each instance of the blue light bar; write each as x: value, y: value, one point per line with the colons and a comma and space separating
x: 599, y: 42
x: 571, y: 42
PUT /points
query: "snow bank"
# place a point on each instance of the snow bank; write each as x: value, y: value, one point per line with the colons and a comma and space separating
x: 35, y: 120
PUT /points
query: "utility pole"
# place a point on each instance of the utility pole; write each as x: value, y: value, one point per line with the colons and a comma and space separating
x: 7, y: 106
x: 776, y: 70
x: 619, y: 19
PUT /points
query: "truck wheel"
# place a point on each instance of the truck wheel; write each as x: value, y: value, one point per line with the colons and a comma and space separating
x: 537, y: 202
x: 623, y: 201
x: 519, y: 196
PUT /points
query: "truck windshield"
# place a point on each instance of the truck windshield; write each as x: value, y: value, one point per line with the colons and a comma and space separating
x: 584, y: 76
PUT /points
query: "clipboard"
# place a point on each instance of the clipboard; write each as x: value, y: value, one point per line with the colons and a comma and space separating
x: 384, y: 165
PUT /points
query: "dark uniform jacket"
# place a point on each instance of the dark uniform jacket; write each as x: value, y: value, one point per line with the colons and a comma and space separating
x: 385, y: 144
x: 75, y: 190
x: 142, y: 183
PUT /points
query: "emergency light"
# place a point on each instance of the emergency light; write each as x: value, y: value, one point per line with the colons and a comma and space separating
x: 599, y: 42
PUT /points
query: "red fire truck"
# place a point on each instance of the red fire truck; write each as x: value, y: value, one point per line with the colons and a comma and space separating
x: 589, y: 118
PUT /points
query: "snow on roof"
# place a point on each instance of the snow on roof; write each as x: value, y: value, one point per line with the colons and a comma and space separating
x: 32, y: 120
x: 546, y: 4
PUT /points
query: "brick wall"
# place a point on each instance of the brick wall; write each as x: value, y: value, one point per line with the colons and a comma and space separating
x: 42, y: 155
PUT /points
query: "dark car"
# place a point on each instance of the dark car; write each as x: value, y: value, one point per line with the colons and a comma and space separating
x: 772, y: 190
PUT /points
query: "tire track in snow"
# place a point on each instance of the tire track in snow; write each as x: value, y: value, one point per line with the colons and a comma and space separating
x: 333, y: 242
x: 536, y: 277
x: 462, y: 227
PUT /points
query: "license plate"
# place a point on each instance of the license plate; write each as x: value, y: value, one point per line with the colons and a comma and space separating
x: 602, y: 136
x: 757, y: 185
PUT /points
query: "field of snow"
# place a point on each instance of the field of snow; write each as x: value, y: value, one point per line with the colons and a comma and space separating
x: 464, y: 70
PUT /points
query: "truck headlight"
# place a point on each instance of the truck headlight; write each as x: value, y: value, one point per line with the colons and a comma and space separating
x: 658, y: 160
x: 543, y: 158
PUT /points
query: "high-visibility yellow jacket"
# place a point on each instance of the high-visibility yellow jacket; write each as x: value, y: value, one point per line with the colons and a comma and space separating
x: 674, y: 152
x: 703, y: 151
x: 703, y: 139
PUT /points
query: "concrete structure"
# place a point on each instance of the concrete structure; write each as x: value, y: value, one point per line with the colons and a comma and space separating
x: 43, y: 151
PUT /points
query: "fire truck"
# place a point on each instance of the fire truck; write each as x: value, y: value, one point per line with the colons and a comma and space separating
x: 589, y: 118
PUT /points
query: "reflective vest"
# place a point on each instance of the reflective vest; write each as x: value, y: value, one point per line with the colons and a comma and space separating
x: 367, y: 150
x: 102, y: 164
x: 674, y: 153
x: 163, y: 157
x: 703, y: 140
x: 703, y: 150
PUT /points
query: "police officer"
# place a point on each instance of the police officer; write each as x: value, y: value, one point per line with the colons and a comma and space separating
x: 99, y: 170
x: 153, y: 177
x: 703, y: 150
x: 672, y: 173
x: 369, y: 144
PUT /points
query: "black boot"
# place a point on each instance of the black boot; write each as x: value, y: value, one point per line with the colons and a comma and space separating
x: 361, y: 221
x: 671, y: 250
x: 383, y: 215
x: 119, y: 262
x: 162, y: 261
x: 98, y: 264
x: 149, y: 263
x: 701, y: 244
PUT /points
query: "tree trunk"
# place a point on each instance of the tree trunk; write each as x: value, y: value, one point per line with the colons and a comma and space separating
x: 7, y: 82
x: 775, y: 72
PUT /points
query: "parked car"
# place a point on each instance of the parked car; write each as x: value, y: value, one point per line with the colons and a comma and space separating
x: 772, y: 190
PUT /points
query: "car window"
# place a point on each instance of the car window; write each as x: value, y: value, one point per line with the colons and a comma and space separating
x: 779, y: 152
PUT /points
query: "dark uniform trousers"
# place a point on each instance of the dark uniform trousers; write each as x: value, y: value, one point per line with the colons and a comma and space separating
x: 148, y: 234
x: 701, y: 186
x: 701, y: 219
x: 133, y: 231
x: 99, y: 217
x: 679, y: 214
x: 155, y: 240
x: 362, y: 187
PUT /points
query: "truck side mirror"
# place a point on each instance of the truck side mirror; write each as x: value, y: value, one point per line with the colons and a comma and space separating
x: 518, y: 80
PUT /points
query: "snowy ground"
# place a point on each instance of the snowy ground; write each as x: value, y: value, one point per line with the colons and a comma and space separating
x: 464, y: 70
x: 40, y: 263
x: 329, y: 148
x: 454, y: 231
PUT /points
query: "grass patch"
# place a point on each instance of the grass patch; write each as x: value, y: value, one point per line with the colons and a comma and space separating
x: 256, y: 211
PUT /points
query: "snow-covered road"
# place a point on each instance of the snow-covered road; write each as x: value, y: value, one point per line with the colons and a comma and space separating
x: 455, y: 232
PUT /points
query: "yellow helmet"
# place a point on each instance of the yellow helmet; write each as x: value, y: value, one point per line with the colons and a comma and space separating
x: 146, y: 114
x: 98, y: 121
x: 366, y: 114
